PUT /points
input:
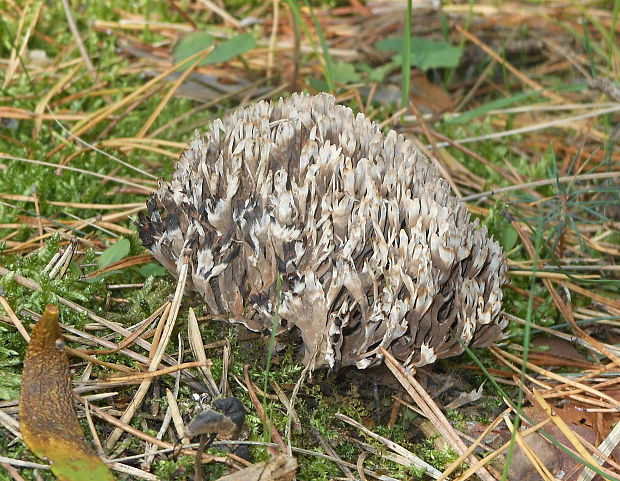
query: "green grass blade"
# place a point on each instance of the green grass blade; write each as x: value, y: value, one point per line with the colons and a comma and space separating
x: 526, y: 344
x: 327, y: 60
x: 329, y: 64
x: 270, y: 352
x: 406, y: 66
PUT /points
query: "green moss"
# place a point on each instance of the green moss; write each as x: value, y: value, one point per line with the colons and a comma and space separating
x: 440, y: 458
x: 180, y: 468
x: 315, y: 468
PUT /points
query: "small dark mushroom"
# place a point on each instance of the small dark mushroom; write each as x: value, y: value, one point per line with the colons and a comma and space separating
x: 224, y: 419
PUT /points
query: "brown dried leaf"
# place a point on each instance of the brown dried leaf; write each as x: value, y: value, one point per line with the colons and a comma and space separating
x: 47, y: 416
x: 280, y: 468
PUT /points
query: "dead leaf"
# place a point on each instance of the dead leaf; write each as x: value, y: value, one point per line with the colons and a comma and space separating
x: 280, y: 468
x: 566, y: 463
x: 550, y: 456
x: 466, y: 398
x: 559, y: 352
x: 47, y: 417
x: 428, y: 96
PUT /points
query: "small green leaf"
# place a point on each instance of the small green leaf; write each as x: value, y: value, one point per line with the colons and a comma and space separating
x: 152, y: 269
x: 114, y: 253
x: 378, y: 73
x: 231, y: 48
x: 425, y: 53
x: 508, y: 237
x: 318, y: 84
x: 198, y: 41
x: 344, y: 73
x: 190, y: 44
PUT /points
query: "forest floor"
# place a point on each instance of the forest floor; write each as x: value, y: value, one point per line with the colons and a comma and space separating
x: 518, y: 102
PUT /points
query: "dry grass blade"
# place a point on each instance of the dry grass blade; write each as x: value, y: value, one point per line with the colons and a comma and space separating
x: 273, y: 37
x: 150, y: 449
x: 23, y: 464
x: 144, y: 129
x: 557, y: 377
x: 94, y: 360
x: 12, y: 471
x: 541, y: 183
x: 122, y: 264
x: 157, y: 357
x: 30, y: 284
x: 132, y: 471
x: 142, y: 91
x: 606, y: 447
x: 526, y: 80
x: 10, y: 424
x: 291, y: 405
x: 132, y: 141
x: 290, y: 409
x: 177, y: 420
x: 489, y: 457
x: 78, y: 39
x: 278, y: 468
x: 18, y: 54
x: 566, y: 431
x: 80, y: 205
x: 59, y: 268
x: 329, y: 450
x: 226, y: 361
x: 141, y: 376
x: 464, y: 455
x: 431, y: 411
x: 437, y: 159
x: 93, y: 432
x: 110, y: 178
x: 569, y: 121
x: 261, y: 411
x: 227, y: 17
x: 105, y: 154
x: 141, y: 435
x: 551, y: 392
x: 17, y: 113
x: 14, y: 319
x: 610, y: 351
x: 411, y: 458
x: 130, y: 339
x: 360, y: 465
x: 198, y: 348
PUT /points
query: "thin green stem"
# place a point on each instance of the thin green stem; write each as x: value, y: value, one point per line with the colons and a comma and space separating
x: 526, y: 344
x: 406, y: 64
x: 329, y: 64
x: 271, y: 349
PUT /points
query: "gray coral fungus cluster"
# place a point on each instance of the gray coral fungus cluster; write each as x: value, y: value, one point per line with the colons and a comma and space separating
x: 372, y: 247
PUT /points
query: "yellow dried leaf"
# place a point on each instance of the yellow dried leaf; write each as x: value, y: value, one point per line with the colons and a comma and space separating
x: 47, y: 417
